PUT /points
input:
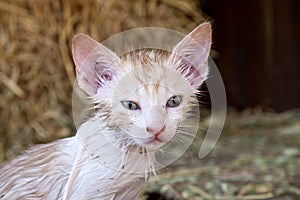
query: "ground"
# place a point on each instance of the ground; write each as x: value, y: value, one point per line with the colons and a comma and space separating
x: 256, y: 157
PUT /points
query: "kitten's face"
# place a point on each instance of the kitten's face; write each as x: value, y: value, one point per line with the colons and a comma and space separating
x: 149, y: 103
x: 146, y: 94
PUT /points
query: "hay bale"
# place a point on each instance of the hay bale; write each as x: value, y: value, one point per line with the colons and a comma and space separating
x: 36, y: 68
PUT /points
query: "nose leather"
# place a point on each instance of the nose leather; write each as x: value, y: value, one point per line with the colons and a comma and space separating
x: 155, y: 133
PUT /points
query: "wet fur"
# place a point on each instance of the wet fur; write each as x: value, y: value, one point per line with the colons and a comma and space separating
x: 80, y: 167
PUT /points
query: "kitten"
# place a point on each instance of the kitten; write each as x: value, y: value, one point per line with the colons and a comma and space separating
x: 140, y: 100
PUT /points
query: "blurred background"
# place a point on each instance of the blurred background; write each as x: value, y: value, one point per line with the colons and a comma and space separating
x: 259, y: 46
x: 256, y: 46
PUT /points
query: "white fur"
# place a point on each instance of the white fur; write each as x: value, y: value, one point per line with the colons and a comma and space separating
x: 113, y: 152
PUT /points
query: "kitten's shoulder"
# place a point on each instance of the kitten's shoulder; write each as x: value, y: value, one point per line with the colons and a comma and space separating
x: 36, y: 167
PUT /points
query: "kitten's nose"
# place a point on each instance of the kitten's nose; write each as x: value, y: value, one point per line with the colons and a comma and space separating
x: 155, y: 120
x: 156, y: 131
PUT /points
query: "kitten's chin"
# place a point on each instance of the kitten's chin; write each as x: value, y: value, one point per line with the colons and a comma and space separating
x: 151, y: 144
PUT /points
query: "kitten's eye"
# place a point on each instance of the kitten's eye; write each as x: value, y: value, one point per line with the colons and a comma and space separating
x: 174, y: 101
x: 130, y: 105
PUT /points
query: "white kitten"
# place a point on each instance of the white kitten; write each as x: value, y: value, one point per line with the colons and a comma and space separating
x: 140, y: 100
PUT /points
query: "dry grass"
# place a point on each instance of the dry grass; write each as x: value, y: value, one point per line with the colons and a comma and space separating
x: 36, y: 68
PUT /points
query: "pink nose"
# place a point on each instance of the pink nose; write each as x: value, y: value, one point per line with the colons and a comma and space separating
x: 155, y: 130
x: 155, y: 120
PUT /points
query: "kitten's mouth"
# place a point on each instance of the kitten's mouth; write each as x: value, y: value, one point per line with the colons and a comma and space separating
x: 153, y: 140
x: 151, y: 143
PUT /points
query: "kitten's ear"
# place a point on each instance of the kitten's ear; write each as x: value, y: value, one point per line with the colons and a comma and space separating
x: 191, y: 54
x: 95, y: 64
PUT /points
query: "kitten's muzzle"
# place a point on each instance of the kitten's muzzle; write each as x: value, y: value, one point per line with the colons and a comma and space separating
x: 156, y: 134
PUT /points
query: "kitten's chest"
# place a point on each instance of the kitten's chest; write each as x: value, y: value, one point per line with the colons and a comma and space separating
x: 90, y: 178
x: 106, y: 184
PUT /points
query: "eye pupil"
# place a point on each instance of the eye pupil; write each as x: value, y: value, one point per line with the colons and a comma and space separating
x: 130, y: 105
x: 174, y: 100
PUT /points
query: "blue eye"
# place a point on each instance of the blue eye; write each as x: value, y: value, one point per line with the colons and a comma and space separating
x: 174, y: 101
x: 130, y: 105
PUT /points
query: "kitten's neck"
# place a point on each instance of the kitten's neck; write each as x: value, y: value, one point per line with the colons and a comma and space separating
x: 100, y: 159
x: 91, y: 177
x: 111, y: 149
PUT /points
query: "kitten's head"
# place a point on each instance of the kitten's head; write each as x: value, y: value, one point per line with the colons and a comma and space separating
x: 145, y: 94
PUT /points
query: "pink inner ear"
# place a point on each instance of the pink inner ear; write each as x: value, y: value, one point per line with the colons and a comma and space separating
x: 192, y: 73
x: 95, y: 64
x: 192, y: 53
x: 103, y: 73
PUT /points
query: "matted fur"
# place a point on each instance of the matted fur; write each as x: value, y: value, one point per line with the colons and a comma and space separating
x: 112, y: 154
